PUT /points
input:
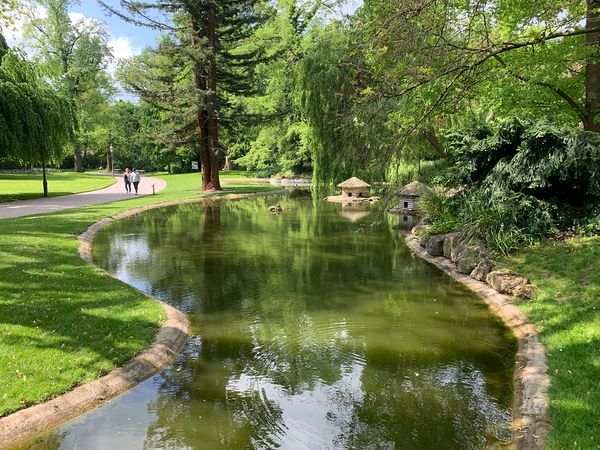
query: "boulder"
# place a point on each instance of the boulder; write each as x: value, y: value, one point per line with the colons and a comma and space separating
x: 466, y: 263
x: 465, y: 251
x: 505, y: 282
x: 526, y: 291
x: 450, y: 243
x: 435, y: 245
x: 484, y: 267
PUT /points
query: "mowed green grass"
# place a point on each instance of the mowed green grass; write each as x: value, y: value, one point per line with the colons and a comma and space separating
x: 63, y: 322
x: 28, y: 186
x: 566, y: 309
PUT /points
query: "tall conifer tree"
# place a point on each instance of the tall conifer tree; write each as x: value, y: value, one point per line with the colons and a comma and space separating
x: 208, y: 53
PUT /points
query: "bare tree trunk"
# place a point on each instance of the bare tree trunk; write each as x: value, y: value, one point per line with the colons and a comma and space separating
x: 591, y: 121
x: 202, y: 119
x: 213, y: 127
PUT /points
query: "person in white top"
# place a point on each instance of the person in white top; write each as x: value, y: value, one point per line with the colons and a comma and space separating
x: 135, y: 179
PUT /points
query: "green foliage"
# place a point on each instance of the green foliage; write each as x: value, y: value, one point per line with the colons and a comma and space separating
x: 505, y: 220
x: 427, y: 172
x: 36, y: 123
x: 441, y: 210
x: 346, y: 139
x: 590, y: 224
x: 521, y: 183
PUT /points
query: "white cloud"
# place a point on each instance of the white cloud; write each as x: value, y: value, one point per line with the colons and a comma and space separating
x: 122, y: 48
x: 80, y: 20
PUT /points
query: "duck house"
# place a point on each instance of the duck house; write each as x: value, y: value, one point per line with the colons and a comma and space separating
x: 409, y: 196
x: 354, y: 187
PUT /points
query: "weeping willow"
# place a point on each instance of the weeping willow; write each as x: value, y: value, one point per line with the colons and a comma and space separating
x: 349, y: 136
x: 36, y: 123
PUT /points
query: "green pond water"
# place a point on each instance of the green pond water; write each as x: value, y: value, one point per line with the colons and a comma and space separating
x: 312, y: 329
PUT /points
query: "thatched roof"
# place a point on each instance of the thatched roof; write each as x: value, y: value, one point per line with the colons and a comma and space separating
x: 353, y: 183
x: 413, y: 189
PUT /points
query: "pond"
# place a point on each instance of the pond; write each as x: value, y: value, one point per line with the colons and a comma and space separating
x: 311, y: 329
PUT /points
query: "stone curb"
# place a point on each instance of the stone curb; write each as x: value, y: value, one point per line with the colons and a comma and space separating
x: 530, y: 423
x: 27, y: 423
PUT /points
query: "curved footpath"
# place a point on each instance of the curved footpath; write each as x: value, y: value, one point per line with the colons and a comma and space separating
x: 112, y: 193
x: 530, y: 424
x: 25, y: 424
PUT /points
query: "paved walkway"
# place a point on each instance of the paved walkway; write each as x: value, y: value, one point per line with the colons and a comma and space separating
x: 109, y: 194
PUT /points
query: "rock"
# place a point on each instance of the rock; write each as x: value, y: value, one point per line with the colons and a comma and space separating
x: 466, y: 263
x: 435, y: 245
x: 484, y: 267
x: 456, y: 250
x: 526, y: 291
x: 276, y: 208
x: 450, y: 243
x: 504, y: 281
x: 466, y: 252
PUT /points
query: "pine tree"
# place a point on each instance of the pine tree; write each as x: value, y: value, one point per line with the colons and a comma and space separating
x: 201, y: 67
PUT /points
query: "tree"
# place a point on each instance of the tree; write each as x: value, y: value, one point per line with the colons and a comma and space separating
x: 433, y: 56
x: 73, y: 55
x: 206, y: 56
x: 36, y: 122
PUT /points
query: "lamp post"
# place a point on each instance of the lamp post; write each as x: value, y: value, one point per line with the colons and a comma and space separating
x: 110, y: 159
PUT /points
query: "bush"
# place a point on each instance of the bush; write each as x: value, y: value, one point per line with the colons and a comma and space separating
x: 505, y: 220
x: 440, y: 209
x: 589, y: 226
x: 523, y: 183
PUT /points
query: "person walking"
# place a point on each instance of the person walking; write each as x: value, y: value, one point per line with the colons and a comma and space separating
x: 135, y: 179
x: 127, y: 179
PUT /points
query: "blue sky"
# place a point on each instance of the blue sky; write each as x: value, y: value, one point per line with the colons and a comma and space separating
x: 138, y: 37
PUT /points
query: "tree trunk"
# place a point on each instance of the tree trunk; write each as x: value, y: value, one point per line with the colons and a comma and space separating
x: 202, y: 119
x: 78, y: 158
x: 227, y: 165
x: 591, y: 121
x: 45, y: 180
x: 213, y: 127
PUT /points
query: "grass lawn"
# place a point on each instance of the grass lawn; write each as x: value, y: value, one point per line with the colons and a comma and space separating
x: 27, y: 186
x: 567, y: 311
x: 63, y: 322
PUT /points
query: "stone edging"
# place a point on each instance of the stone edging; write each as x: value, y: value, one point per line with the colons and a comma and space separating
x: 27, y: 423
x: 530, y: 423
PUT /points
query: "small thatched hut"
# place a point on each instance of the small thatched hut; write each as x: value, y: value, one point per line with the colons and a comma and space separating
x: 353, y: 187
x: 409, y: 196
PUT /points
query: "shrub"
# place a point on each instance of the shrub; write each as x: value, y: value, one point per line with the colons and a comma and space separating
x: 505, y: 220
x: 440, y: 209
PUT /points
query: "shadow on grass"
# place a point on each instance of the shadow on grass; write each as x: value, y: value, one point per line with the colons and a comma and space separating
x: 62, y: 321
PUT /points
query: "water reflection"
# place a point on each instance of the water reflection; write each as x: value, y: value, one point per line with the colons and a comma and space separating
x: 310, y: 331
